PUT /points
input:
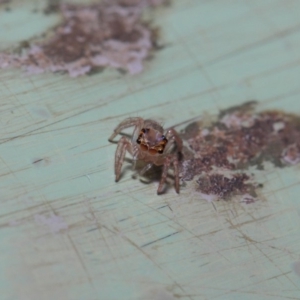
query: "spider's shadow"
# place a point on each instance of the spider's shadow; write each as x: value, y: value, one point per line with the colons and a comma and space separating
x: 152, y: 175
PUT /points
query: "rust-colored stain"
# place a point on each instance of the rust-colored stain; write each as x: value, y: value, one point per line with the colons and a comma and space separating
x: 221, y: 153
x: 91, y: 37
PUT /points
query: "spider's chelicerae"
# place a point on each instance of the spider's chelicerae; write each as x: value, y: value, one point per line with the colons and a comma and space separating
x: 150, y: 144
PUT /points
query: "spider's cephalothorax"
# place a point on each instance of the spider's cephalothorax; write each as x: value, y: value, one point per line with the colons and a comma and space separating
x: 149, y: 143
x: 152, y: 141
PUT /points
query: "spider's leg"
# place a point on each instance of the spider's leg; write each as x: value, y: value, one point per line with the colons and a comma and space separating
x: 164, y: 175
x: 172, y: 135
x: 123, y: 145
x: 134, y: 163
x: 125, y: 124
x: 146, y: 168
x: 176, y: 175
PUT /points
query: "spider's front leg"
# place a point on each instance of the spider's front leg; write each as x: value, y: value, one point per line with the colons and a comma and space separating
x: 176, y: 174
x: 137, y: 122
x: 169, y: 160
x: 124, y: 145
x: 172, y: 135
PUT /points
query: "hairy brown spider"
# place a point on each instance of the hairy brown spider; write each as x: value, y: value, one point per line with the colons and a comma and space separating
x: 151, y: 145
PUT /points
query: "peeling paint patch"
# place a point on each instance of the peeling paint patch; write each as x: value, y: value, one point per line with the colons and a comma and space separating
x: 218, y: 184
x: 54, y: 223
x: 239, y: 138
x: 91, y: 37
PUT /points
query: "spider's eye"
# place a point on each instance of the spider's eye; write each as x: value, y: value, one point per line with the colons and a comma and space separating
x: 160, y: 151
x: 140, y: 137
x: 143, y: 130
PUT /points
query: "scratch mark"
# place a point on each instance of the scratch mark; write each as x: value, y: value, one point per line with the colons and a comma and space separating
x: 271, y: 38
x: 38, y: 160
x: 255, y: 220
x: 93, y: 229
x: 101, y: 226
x: 122, y: 220
x: 279, y: 275
x: 214, y: 206
x: 152, y: 242
x: 254, y: 243
x: 81, y: 261
x: 236, y: 227
x: 88, y: 177
x: 167, y: 103
x: 156, y: 264
x: 162, y: 207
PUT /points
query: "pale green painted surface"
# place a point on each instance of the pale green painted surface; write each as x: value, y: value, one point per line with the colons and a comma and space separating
x: 68, y: 231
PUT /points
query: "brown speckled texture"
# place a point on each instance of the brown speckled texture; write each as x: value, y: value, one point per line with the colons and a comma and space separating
x: 240, y: 138
x: 107, y: 34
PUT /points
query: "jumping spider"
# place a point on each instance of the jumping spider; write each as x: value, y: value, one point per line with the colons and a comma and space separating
x: 151, y: 145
